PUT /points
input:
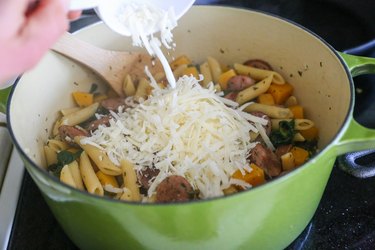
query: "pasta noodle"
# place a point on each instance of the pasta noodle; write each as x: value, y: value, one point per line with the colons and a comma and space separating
x: 270, y: 110
x: 300, y: 124
x: 259, y: 74
x: 89, y: 177
x: 254, y: 90
x: 130, y: 180
x: 214, y: 68
x: 205, y: 71
x: 128, y: 86
x: 99, y: 157
x: 80, y: 115
x: 67, y: 177
x: 76, y: 174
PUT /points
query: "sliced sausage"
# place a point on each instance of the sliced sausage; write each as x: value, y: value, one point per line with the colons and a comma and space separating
x: 146, y: 175
x: 240, y: 82
x: 67, y: 133
x: 265, y: 159
x: 259, y: 64
x: 268, y: 126
x: 231, y: 96
x: 174, y: 188
x: 113, y: 103
x: 283, y: 149
x: 96, y: 123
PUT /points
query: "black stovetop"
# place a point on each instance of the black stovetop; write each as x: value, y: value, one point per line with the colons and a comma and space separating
x: 345, y: 218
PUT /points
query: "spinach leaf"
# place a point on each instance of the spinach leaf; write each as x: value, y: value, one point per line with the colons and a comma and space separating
x: 310, y: 145
x: 64, y: 157
x: 93, y: 88
x: 284, y: 135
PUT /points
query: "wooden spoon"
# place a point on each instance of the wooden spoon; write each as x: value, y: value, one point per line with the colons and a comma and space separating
x: 112, y: 66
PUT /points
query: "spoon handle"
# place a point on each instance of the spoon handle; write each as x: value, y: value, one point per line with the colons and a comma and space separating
x: 89, y: 55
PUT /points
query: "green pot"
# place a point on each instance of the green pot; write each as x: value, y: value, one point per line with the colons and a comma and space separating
x: 270, y: 216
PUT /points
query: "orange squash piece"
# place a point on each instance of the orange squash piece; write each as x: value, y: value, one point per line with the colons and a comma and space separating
x: 224, y: 78
x: 300, y: 155
x: 106, y: 179
x: 266, y: 99
x: 280, y: 92
x: 311, y: 133
x: 192, y: 70
x: 297, y: 111
x: 83, y: 99
x: 180, y: 61
x: 254, y: 178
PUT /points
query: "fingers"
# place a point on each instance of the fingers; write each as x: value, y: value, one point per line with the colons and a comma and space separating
x: 74, y: 15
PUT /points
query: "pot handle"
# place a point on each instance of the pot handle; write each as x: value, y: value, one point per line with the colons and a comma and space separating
x: 356, y: 136
x: 4, y: 94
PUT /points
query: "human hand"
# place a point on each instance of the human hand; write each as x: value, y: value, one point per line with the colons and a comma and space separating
x: 28, y: 30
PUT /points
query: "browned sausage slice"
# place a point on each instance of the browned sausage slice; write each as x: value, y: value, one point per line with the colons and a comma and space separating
x: 174, y: 188
x: 240, y: 82
x: 257, y: 63
x: 283, y: 149
x: 67, y: 133
x: 231, y: 96
x: 102, y: 121
x: 265, y: 159
x: 113, y: 103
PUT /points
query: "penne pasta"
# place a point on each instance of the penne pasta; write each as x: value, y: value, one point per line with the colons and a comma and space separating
x: 128, y: 86
x: 254, y: 90
x: 205, y: 71
x: 143, y: 89
x: 126, y: 195
x: 298, y: 137
x: 270, y: 110
x: 299, y: 124
x: 291, y: 101
x: 50, y: 154
x: 99, y: 157
x: 67, y: 177
x: 57, y: 145
x: 130, y: 179
x: 76, y: 174
x: 68, y: 111
x: 89, y: 177
x: 258, y: 74
x: 80, y: 115
x: 214, y: 68
x: 287, y: 161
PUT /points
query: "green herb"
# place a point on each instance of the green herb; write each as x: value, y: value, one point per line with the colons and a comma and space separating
x: 63, y: 158
x: 284, y: 135
x: 310, y: 145
x: 93, y: 88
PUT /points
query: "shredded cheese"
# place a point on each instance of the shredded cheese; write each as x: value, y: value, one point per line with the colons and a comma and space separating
x: 187, y: 131
x: 142, y: 20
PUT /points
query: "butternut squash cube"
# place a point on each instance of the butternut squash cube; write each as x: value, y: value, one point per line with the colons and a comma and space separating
x: 280, y: 92
x: 83, y: 99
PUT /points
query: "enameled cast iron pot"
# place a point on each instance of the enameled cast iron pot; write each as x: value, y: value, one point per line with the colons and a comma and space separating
x: 267, y: 217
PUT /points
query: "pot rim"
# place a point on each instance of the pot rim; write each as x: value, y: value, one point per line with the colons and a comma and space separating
x: 267, y: 185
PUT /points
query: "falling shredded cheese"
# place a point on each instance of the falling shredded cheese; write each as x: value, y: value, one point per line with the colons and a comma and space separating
x: 142, y: 20
x: 188, y: 130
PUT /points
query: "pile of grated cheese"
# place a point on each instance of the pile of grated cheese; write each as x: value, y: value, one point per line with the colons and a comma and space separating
x: 187, y: 130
